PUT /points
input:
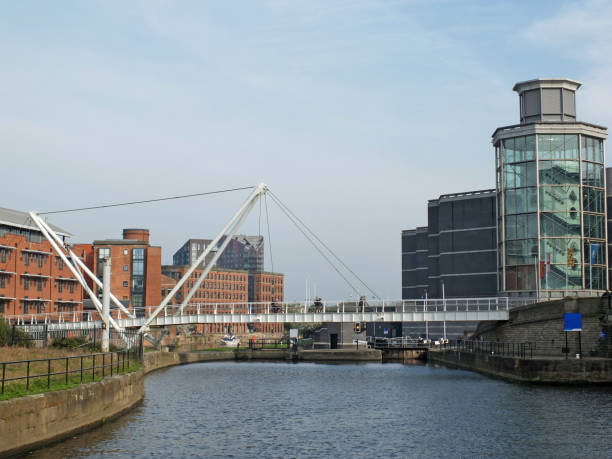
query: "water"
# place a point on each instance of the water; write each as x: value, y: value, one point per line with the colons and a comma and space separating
x: 279, y: 410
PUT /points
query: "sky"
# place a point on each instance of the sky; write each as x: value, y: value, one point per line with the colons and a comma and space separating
x: 355, y: 113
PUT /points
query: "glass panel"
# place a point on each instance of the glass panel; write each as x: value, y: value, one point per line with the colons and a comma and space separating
x: 560, y: 224
x: 571, y: 146
x: 510, y: 227
x: 592, y: 174
x: 521, y: 252
x: 599, y: 281
x: 510, y: 278
x: 532, y: 200
x: 509, y: 151
x: 556, y: 249
x: 593, y: 200
x: 550, y: 146
x: 532, y: 226
x: 598, y: 253
x: 521, y: 200
x: 559, y: 172
x: 510, y: 201
x: 592, y: 149
x: 560, y: 198
x: 557, y: 146
x: 594, y: 226
x: 530, y: 147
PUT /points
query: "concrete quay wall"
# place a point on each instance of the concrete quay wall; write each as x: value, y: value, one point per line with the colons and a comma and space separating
x: 542, y: 325
x: 536, y: 370
x: 29, y: 422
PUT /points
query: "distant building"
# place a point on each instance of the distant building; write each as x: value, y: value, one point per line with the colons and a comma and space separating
x: 135, y: 267
x: 220, y: 287
x: 455, y: 252
x: 33, y: 279
x: 243, y: 252
x: 190, y: 251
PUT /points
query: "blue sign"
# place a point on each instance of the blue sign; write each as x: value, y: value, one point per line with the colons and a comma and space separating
x: 572, y: 322
x: 603, y: 334
x: 594, y: 250
x: 386, y: 331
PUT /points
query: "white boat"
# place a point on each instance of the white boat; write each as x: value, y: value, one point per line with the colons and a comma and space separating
x: 230, y: 341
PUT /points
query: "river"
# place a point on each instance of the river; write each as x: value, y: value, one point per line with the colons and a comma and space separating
x: 280, y: 410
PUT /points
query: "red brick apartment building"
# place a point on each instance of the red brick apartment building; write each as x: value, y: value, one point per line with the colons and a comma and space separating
x: 222, y: 286
x: 135, y: 267
x: 33, y: 279
x: 267, y: 287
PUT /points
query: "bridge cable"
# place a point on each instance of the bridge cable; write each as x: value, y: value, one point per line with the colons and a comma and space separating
x: 269, y: 238
x: 312, y: 242
x: 324, y: 245
x: 146, y: 201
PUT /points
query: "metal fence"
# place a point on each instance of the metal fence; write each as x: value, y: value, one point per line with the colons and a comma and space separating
x: 510, y: 349
x: 76, y: 369
x: 268, y: 344
x: 41, y: 336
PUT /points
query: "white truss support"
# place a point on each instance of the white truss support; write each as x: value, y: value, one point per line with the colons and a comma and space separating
x: 42, y: 227
x: 248, y: 204
x: 79, y: 264
x: 212, y: 262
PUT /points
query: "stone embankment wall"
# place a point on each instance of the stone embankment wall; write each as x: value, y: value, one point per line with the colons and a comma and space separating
x: 537, y: 370
x: 542, y: 325
x: 29, y: 422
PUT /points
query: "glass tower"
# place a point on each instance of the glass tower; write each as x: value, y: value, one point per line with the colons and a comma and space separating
x: 551, y: 207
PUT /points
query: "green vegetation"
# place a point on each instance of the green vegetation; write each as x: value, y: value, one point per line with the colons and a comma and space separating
x: 40, y: 384
x: 10, y: 336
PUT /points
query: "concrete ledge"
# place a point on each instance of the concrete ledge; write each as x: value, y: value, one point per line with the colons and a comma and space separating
x: 537, y: 370
x: 341, y: 355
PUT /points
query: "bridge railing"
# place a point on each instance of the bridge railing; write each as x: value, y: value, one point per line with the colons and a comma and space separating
x: 296, y: 307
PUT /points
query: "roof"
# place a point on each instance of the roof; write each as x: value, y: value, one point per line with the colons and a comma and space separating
x: 20, y: 219
x: 120, y: 242
x: 566, y: 83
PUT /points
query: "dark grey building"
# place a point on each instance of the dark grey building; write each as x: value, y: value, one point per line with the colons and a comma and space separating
x: 243, y: 252
x: 190, y: 251
x: 456, y: 252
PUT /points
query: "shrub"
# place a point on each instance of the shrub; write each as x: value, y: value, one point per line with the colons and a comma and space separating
x: 10, y: 336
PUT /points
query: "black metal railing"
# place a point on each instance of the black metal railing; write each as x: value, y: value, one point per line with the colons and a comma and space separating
x: 86, y: 368
x: 268, y: 344
x: 509, y: 349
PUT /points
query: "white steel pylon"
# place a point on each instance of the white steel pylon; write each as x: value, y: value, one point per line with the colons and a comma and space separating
x: 234, y: 224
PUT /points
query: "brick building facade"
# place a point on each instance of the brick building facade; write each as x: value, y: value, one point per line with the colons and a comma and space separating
x: 266, y: 287
x: 33, y: 279
x: 222, y: 286
x: 135, y: 267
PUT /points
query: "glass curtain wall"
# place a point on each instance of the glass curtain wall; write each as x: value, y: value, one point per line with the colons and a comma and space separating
x: 519, y: 207
x: 560, y: 179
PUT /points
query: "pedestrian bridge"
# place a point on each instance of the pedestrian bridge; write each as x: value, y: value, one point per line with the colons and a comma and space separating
x: 430, y: 310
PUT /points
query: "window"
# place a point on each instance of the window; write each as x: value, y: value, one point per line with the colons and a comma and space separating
x: 2, y: 281
x: 125, y: 267
x: 125, y: 283
x: 3, y: 255
x: 125, y: 251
